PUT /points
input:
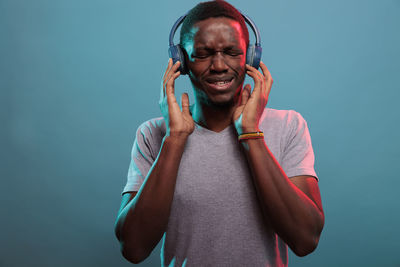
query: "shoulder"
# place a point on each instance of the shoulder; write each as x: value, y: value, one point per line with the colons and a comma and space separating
x: 149, y: 137
x: 275, y: 117
x: 152, y: 127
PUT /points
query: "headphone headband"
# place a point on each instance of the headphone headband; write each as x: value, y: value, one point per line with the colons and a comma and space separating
x: 247, y: 19
x: 253, y: 53
x: 174, y: 28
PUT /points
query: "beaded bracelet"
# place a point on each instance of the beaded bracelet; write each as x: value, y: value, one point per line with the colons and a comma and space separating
x: 252, y: 135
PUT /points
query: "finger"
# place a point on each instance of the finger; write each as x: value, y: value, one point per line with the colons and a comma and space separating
x: 185, y: 104
x: 168, y: 67
x: 256, y: 71
x: 266, y: 72
x: 264, y: 86
x: 258, y: 80
x: 171, y: 72
x: 170, y: 91
x: 170, y: 86
x: 162, y: 93
x: 245, y: 94
x: 268, y: 77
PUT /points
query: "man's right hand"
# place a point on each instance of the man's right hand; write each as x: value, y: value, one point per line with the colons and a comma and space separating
x: 135, y: 226
x: 179, y: 123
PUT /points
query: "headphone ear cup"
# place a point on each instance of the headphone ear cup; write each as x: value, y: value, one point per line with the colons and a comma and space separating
x: 253, y: 56
x: 183, y: 67
x: 175, y: 52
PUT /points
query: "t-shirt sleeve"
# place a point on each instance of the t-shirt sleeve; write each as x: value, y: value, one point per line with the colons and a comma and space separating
x: 298, y: 154
x: 142, y: 159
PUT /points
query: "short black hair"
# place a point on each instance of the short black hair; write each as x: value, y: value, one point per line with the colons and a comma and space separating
x: 212, y: 9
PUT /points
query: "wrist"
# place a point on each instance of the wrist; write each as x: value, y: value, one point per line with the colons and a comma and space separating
x: 176, y: 138
x: 251, y: 135
x: 244, y: 130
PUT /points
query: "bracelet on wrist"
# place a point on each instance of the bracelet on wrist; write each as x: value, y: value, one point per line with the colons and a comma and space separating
x: 251, y: 135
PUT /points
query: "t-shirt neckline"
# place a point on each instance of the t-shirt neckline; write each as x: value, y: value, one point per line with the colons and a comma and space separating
x: 224, y: 132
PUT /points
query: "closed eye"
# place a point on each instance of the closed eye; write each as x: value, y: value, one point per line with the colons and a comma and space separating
x: 200, y: 56
x: 204, y: 53
x: 234, y: 54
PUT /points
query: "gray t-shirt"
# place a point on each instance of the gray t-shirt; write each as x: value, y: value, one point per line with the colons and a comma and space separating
x: 215, y: 218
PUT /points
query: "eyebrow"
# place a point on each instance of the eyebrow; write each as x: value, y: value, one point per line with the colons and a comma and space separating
x: 231, y: 47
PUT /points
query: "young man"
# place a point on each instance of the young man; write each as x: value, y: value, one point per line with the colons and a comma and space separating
x: 216, y: 200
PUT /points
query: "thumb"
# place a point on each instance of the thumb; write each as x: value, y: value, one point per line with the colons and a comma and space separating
x: 245, y: 94
x: 185, y: 103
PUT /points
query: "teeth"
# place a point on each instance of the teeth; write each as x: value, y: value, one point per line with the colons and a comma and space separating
x: 221, y: 83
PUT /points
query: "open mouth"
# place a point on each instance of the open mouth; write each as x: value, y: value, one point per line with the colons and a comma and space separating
x: 220, y: 84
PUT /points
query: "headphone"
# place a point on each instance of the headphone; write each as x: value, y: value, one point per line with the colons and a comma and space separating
x: 253, y: 55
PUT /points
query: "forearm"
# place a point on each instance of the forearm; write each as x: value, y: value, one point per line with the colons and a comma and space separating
x: 294, y: 216
x: 143, y: 221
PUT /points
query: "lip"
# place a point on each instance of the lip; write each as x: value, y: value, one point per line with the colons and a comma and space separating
x: 219, y: 87
x: 216, y: 78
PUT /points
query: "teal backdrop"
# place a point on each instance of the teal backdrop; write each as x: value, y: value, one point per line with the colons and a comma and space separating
x: 78, y: 77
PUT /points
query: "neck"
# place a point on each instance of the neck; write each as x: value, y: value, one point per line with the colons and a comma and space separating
x: 214, y: 118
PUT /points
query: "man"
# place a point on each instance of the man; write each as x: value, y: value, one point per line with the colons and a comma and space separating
x: 214, y: 200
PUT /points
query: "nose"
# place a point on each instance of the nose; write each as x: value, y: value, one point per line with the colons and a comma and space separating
x: 218, y: 63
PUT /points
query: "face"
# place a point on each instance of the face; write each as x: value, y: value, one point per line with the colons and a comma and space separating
x: 216, y: 55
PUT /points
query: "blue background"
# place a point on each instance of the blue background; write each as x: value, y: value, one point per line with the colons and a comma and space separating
x: 78, y: 77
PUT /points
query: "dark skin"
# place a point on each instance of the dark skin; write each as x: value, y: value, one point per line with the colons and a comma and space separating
x: 292, y: 205
x: 218, y: 52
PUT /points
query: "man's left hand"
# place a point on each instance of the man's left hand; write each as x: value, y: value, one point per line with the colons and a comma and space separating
x: 252, y: 104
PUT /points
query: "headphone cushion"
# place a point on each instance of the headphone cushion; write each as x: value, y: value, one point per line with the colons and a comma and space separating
x: 175, y: 52
x: 253, y: 56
